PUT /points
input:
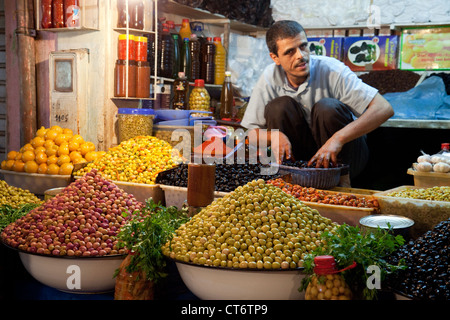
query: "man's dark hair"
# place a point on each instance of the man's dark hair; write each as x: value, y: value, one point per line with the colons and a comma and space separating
x: 281, y: 30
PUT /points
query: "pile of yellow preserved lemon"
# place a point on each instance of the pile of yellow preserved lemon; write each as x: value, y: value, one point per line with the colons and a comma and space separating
x: 137, y: 160
x: 53, y: 150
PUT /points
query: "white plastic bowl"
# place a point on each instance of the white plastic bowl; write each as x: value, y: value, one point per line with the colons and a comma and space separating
x: 213, y: 283
x: 93, y: 274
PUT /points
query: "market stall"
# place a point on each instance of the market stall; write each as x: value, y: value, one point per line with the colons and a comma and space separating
x: 157, y: 192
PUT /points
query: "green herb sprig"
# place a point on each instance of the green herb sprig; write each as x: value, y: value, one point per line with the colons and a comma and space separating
x: 9, y: 214
x: 144, y: 235
x: 348, y: 244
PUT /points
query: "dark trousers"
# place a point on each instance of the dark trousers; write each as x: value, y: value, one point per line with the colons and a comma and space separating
x: 327, y: 117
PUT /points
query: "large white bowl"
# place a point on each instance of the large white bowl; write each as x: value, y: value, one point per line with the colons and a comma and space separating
x: 93, y: 274
x: 213, y: 283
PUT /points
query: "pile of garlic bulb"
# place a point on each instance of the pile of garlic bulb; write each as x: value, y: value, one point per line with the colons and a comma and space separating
x: 433, y: 163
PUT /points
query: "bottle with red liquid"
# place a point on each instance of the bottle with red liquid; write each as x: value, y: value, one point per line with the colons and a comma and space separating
x: 72, y: 16
x: 46, y: 13
x: 58, y: 14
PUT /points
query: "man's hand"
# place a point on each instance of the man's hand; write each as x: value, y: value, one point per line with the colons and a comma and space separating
x: 280, y: 146
x: 327, y: 154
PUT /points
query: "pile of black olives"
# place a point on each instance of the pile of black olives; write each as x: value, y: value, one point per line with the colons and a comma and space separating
x: 427, y: 275
x: 228, y: 176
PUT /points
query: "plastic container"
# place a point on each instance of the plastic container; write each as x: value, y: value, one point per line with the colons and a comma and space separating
x: 199, y: 99
x: 120, y: 78
x: 142, y: 79
x: 135, y: 122
x: 136, y: 9
x: 166, y: 54
x: 46, y: 14
x: 122, y: 16
x: 180, y: 92
x: 219, y: 61
x: 327, y: 283
x: 126, y: 42
x: 58, y: 13
x: 227, y: 98
x: 201, y: 184
x: 445, y: 149
x: 35, y: 182
x: 185, y: 29
x: 177, y: 196
x: 425, y: 213
x: 194, y: 51
x: 141, y: 48
x: 185, y: 65
x: 207, y: 68
x: 72, y: 13
x: 429, y: 179
x: 179, y: 137
x: 320, y: 178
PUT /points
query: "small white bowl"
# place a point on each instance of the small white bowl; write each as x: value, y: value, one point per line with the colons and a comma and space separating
x: 214, y: 283
x: 73, y: 275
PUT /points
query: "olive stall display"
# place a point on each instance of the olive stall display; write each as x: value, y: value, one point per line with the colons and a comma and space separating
x: 137, y: 160
x: 256, y: 226
x: 228, y: 176
x: 83, y: 220
x: 15, y: 197
x: 54, y: 150
x: 427, y: 274
x: 439, y: 193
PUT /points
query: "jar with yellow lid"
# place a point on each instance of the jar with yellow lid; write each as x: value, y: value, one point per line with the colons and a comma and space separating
x: 199, y: 98
x: 327, y: 283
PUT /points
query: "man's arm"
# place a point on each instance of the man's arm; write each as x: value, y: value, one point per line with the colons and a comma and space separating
x: 277, y: 140
x: 378, y: 111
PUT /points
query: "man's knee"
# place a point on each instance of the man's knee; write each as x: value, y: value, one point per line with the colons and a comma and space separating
x: 330, y: 109
x: 280, y: 106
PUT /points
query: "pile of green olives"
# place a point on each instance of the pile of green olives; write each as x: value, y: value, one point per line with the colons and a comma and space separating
x: 256, y: 226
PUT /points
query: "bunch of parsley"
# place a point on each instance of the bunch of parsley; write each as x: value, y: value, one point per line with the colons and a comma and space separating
x: 9, y: 214
x: 348, y: 244
x: 144, y: 235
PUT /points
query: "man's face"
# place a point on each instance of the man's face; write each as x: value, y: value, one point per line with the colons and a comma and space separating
x: 293, y: 56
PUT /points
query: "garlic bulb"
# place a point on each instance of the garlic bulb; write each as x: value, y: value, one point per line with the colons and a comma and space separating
x: 424, y: 167
x: 424, y: 158
x: 441, y: 167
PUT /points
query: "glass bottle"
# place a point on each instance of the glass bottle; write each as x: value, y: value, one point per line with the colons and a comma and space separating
x: 186, y: 59
x: 122, y: 15
x: 327, y: 283
x: 208, y: 52
x: 180, y: 92
x: 166, y: 53
x: 226, y: 98
x: 194, y: 51
x: 219, y: 61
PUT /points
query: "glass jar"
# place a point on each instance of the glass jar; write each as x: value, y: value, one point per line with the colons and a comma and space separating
x: 135, y: 122
x: 58, y: 13
x: 327, y: 283
x: 199, y: 98
x: 141, y: 48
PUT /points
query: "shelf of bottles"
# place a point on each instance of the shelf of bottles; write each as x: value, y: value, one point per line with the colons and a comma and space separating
x: 67, y: 15
x: 135, y: 38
